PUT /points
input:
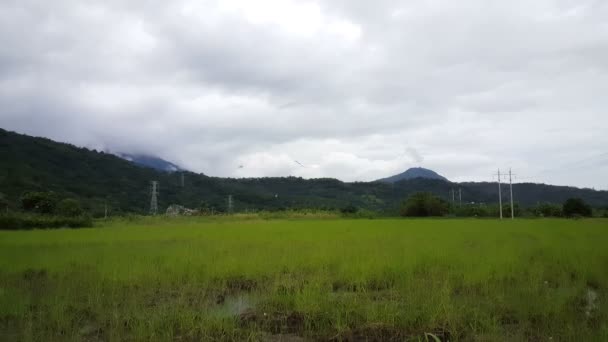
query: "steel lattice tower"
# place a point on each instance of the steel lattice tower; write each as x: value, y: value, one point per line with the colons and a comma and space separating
x: 154, y: 199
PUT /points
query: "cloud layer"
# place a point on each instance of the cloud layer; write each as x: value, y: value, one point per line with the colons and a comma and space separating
x: 354, y: 89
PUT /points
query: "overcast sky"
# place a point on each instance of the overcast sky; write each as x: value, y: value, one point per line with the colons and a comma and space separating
x: 351, y: 89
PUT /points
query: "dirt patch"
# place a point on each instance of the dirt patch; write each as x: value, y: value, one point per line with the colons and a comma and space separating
x: 384, y: 296
x: 370, y: 285
x: 241, y: 284
x: 160, y: 297
x: 380, y: 332
x: 342, y: 286
x: 91, y: 332
x: 34, y: 275
x: 508, y: 318
x: 275, y: 322
x: 283, y: 338
x: 379, y: 284
x: 372, y: 332
x: 220, y: 299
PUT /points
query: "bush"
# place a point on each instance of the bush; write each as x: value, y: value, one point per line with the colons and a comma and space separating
x: 29, y: 221
x: 576, y: 207
x: 3, y: 203
x: 547, y: 210
x: 39, y: 202
x: 349, y: 209
x: 69, y: 208
x: 472, y: 210
x: 422, y: 204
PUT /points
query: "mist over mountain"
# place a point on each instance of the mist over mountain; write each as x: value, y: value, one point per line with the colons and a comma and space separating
x: 153, y: 162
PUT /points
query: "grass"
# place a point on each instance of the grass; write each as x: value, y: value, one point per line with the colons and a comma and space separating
x: 244, y: 278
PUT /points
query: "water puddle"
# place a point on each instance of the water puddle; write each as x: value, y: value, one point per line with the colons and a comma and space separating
x: 232, y: 306
x: 591, y: 302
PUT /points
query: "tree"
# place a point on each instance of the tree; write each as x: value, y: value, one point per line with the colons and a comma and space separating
x: 349, y: 209
x: 3, y: 203
x: 547, y: 210
x: 576, y: 207
x: 39, y: 202
x: 506, y: 209
x: 69, y: 207
x: 423, y: 204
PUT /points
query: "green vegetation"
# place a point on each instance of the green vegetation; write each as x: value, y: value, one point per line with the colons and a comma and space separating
x: 576, y: 207
x: 45, y: 210
x: 98, y: 179
x: 69, y: 207
x: 16, y: 221
x: 39, y: 202
x: 423, y: 204
x: 244, y: 278
x: 547, y: 210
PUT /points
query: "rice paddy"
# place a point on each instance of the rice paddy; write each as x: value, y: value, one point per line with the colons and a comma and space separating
x: 249, y: 279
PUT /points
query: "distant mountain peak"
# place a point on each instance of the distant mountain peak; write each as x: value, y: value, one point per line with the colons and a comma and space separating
x: 412, y: 173
x: 153, y: 162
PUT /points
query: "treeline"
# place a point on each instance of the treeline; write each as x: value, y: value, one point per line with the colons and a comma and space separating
x: 43, y: 210
x: 423, y: 204
x: 101, y: 180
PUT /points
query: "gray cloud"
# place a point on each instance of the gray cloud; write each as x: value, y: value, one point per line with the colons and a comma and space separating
x: 345, y: 87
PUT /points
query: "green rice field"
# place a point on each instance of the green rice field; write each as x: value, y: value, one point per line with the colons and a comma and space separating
x: 249, y: 279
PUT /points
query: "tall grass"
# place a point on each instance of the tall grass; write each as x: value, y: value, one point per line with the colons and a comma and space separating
x: 237, y: 278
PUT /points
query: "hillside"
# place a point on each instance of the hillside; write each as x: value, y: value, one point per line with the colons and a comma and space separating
x: 28, y: 163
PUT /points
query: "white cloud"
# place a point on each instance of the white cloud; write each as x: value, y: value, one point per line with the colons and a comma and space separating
x: 344, y: 87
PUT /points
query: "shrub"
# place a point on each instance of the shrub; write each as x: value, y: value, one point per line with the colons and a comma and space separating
x: 548, y: 210
x: 424, y: 204
x: 69, y: 208
x: 15, y: 221
x: 39, y: 202
x: 472, y: 210
x: 576, y: 207
x: 3, y: 202
x: 349, y: 209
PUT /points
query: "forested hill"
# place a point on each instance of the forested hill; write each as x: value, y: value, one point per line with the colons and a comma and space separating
x: 39, y: 164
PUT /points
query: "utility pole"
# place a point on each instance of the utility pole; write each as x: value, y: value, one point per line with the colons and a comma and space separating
x: 230, y: 204
x: 452, y: 197
x: 511, y: 191
x: 105, y: 210
x: 153, y: 199
x: 499, y: 196
x: 460, y: 197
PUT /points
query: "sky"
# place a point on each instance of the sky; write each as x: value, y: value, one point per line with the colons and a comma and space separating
x: 350, y: 89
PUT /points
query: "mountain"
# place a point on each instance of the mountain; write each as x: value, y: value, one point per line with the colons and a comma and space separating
x: 150, y: 161
x: 412, y: 173
x: 97, y: 178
